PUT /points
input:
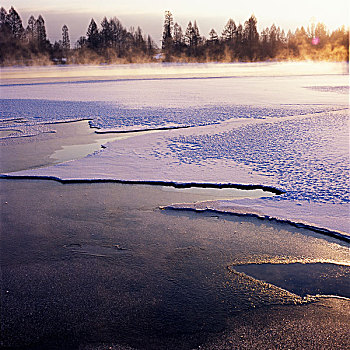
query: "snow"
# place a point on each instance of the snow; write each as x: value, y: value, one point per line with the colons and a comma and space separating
x: 288, y: 131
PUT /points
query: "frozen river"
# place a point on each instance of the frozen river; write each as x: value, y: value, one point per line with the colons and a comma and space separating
x: 149, y: 238
x: 281, y: 125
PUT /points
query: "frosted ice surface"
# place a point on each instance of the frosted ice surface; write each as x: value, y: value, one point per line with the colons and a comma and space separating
x: 112, y: 116
x: 290, y: 132
x: 306, y: 157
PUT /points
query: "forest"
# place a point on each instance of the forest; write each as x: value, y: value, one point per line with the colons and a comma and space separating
x: 111, y: 42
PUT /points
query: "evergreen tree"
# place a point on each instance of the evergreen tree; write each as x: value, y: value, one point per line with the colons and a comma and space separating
x: 139, y: 40
x: 30, y: 30
x: 118, y: 35
x: 5, y: 30
x: 301, y: 37
x: 15, y: 23
x: 40, y: 33
x: 178, y: 38
x: 251, y: 38
x: 213, y: 36
x: 264, y: 43
x: 291, y: 44
x: 106, y: 34
x: 151, y: 46
x: 167, y: 42
x: 196, y: 38
x: 239, y: 34
x: 213, y: 45
x: 92, y: 36
x: 189, y: 35
x: 65, y: 39
x: 321, y: 34
x: 81, y: 43
x: 239, y: 42
x: 229, y: 38
x: 3, y: 16
x: 229, y: 33
x: 273, y: 41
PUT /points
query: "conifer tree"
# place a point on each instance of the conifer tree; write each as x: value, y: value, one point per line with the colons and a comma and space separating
x: 189, y: 35
x: 30, y: 30
x: 213, y: 45
x: 150, y: 46
x: 3, y: 16
x: 106, y: 35
x: 230, y: 31
x: 40, y: 33
x: 196, y: 38
x: 213, y: 36
x: 14, y: 22
x: 65, y: 39
x: 167, y: 41
x: 92, y: 35
x: 251, y: 38
x: 118, y: 35
x: 139, y: 40
x: 178, y: 38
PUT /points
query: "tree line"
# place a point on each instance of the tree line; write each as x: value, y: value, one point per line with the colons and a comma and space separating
x: 111, y: 42
x: 239, y: 42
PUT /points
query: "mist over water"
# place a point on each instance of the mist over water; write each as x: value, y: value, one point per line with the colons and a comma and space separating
x: 172, y: 70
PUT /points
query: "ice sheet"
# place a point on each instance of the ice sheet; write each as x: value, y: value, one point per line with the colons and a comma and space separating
x: 289, y: 132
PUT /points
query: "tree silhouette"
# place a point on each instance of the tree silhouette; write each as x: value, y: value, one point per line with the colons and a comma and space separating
x: 3, y: 15
x: 65, y: 39
x: 189, y: 35
x: 113, y: 42
x: 229, y: 34
x: 151, y: 46
x: 106, y: 33
x: 92, y: 35
x: 40, y: 33
x: 178, y: 39
x: 213, y: 45
x: 118, y: 34
x: 251, y: 38
x: 167, y: 42
x: 14, y: 22
x: 30, y: 30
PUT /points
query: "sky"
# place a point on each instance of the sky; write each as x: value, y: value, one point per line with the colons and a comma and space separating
x: 149, y: 15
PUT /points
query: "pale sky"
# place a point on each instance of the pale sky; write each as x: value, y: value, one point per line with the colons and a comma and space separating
x: 149, y: 15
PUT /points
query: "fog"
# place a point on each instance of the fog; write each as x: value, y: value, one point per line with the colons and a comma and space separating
x: 168, y: 70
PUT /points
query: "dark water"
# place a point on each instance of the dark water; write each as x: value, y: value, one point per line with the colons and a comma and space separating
x: 303, y: 279
x: 101, y: 263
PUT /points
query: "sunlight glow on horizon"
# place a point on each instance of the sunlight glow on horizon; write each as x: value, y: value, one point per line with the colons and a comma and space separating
x: 149, y: 16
